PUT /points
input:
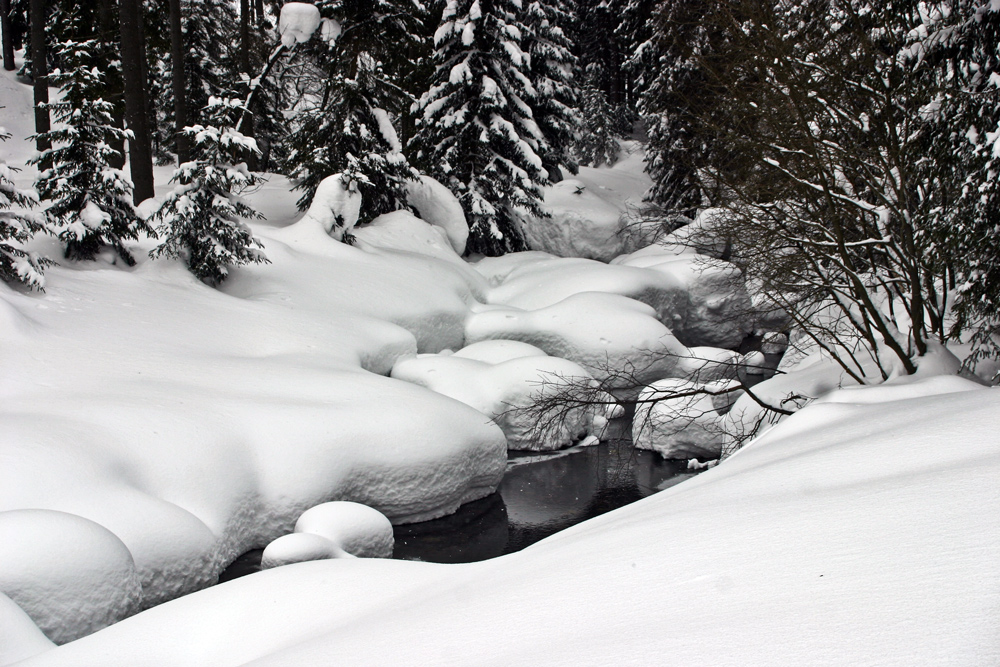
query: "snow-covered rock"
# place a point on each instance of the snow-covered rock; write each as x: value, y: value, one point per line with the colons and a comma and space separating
x: 336, y: 205
x: 508, y: 389
x: 609, y: 335
x: 20, y: 638
x: 679, y: 419
x: 436, y: 205
x: 297, y: 23
x: 357, y: 529
x: 299, y: 548
x: 402, y: 231
x: 71, y: 575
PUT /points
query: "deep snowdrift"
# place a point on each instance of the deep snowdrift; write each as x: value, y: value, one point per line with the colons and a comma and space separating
x: 857, y: 532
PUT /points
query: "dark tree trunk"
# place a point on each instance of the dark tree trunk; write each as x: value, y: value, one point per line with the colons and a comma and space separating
x: 259, y: 11
x: 182, y: 144
x: 107, y: 32
x: 133, y: 60
x: 245, y: 68
x: 39, y: 75
x: 7, y: 30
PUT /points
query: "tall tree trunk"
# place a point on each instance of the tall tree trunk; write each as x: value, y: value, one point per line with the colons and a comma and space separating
x: 7, y: 30
x: 39, y: 75
x: 182, y: 143
x: 245, y: 68
x: 107, y: 33
x: 133, y: 59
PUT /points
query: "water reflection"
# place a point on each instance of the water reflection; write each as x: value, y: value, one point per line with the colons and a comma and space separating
x: 540, y: 495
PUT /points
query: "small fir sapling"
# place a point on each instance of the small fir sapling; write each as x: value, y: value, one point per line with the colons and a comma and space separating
x: 17, y: 226
x: 91, y: 205
x: 200, y: 221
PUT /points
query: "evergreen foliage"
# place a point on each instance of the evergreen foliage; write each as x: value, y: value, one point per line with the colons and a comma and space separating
x: 91, y: 205
x: 475, y: 130
x: 17, y: 226
x: 553, y: 73
x: 597, y: 143
x: 200, y: 221
x: 344, y: 121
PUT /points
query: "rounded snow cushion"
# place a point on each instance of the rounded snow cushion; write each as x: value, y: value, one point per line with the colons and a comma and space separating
x: 298, y: 548
x: 20, y: 638
x: 72, y: 576
x: 357, y: 529
x: 499, y: 351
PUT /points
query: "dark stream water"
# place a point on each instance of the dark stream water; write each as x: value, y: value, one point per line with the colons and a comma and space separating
x: 540, y: 494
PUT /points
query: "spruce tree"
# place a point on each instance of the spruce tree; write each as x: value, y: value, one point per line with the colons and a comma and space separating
x: 475, y: 130
x: 553, y: 73
x: 200, y: 221
x: 597, y: 143
x: 91, y: 205
x: 345, y: 124
x: 17, y: 226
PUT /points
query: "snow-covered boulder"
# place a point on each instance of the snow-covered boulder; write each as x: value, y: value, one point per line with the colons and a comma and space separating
x: 507, y: 391
x: 20, y: 638
x: 498, y: 351
x: 299, y: 548
x: 679, y: 419
x: 359, y: 530
x: 72, y: 576
x: 297, y: 23
x: 403, y: 231
x: 335, y: 206
x: 717, y: 309
x: 436, y: 205
x: 609, y: 335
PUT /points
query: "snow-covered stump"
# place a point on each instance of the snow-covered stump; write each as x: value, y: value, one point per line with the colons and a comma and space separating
x: 511, y: 382
x: 70, y: 575
x: 436, y: 205
x: 680, y: 419
x: 335, y: 206
x: 336, y: 529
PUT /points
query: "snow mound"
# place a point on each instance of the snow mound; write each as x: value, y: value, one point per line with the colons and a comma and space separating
x: 507, y: 391
x: 71, y: 575
x: 717, y: 310
x: 299, y: 548
x: 589, y: 214
x: 436, y: 205
x: 20, y: 638
x: 611, y: 336
x: 359, y: 530
x: 497, y: 351
x: 680, y: 419
x: 337, y: 203
x: 402, y: 231
x: 297, y: 23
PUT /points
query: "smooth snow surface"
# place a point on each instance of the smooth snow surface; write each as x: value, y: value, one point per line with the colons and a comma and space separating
x: 20, y: 638
x: 359, y: 530
x: 851, y: 534
x: 436, y: 204
x: 336, y: 204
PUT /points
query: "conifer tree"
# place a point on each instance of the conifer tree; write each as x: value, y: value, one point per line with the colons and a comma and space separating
x: 597, y: 143
x: 91, y: 201
x: 345, y: 124
x: 553, y: 73
x: 475, y: 130
x: 17, y: 226
x: 200, y: 221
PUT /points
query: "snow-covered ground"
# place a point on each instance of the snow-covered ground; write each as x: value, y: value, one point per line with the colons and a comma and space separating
x: 154, y: 428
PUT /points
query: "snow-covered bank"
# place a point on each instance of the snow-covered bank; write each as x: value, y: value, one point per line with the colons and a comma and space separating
x: 855, y: 533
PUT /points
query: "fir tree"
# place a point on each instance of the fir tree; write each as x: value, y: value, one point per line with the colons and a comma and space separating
x: 17, y: 226
x: 344, y: 125
x: 91, y: 201
x: 597, y: 143
x: 200, y: 220
x: 475, y: 132
x: 553, y: 73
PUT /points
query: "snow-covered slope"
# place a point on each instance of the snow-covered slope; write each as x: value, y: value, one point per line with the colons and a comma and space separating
x: 855, y: 533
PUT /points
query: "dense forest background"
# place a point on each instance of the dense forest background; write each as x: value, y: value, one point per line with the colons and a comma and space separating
x: 850, y: 145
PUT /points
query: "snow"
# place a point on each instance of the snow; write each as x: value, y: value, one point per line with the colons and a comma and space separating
x: 359, y: 530
x: 20, y: 638
x: 436, y: 205
x: 297, y: 23
x: 504, y: 383
x: 588, y: 213
x: 850, y: 534
x: 335, y: 206
x: 683, y: 423
x: 72, y: 576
